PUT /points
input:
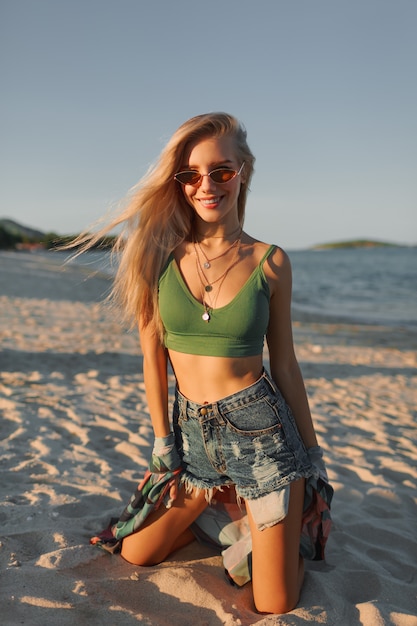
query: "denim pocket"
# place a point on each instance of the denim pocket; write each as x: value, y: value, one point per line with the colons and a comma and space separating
x: 257, y: 417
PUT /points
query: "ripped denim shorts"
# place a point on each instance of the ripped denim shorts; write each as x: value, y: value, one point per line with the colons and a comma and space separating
x: 248, y: 439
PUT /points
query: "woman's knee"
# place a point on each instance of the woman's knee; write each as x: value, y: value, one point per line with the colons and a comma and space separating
x: 285, y: 599
x: 276, y: 606
x: 139, y: 552
x: 164, y: 532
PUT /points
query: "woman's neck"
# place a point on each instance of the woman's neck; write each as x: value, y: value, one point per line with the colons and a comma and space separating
x: 218, y: 233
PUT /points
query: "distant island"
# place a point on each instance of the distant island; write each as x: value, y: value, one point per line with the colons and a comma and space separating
x: 355, y: 243
x: 15, y: 236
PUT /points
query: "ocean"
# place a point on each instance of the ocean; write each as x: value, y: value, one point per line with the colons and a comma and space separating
x: 361, y: 285
x: 354, y: 285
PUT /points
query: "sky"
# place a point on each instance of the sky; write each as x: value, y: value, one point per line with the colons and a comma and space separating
x: 91, y: 90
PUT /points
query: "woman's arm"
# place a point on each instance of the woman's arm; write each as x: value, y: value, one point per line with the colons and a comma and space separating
x: 155, y: 375
x: 285, y: 370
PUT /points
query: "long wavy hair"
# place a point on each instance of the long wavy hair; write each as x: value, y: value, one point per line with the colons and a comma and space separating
x: 157, y: 217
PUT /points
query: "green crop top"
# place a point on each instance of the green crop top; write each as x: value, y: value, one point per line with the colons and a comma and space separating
x: 235, y: 330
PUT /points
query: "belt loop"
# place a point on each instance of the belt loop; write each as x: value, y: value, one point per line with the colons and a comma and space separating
x: 182, y: 403
x: 270, y: 382
x: 218, y: 414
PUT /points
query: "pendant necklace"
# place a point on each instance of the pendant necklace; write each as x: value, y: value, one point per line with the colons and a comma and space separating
x: 207, y: 263
x: 207, y: 309
x: 207, y: 286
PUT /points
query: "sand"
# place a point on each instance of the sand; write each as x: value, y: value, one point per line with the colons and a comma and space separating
x: 76, y: 437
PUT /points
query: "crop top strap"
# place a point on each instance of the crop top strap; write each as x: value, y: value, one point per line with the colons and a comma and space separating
x: 271, y: 249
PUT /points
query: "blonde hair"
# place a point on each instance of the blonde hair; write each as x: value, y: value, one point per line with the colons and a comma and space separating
x: 157, y: 217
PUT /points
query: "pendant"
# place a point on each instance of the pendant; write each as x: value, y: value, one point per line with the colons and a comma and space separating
x: 207, y: 265
x: 208, y: 288
x: 206, y: 316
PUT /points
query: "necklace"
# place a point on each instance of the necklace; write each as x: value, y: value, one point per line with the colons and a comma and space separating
x: 207, y: 286
x: 239, y: 228
x: 208, y: 309
x: 206, y: 283
x: 207, y: 263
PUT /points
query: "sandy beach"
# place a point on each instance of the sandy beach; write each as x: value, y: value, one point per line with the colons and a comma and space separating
x: 76, y: 437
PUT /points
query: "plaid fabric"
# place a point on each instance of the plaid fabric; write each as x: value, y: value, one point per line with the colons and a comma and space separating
x: 316, y: 518
x: 151, y: 492
x: 316, y: 525
x: 222, y: 525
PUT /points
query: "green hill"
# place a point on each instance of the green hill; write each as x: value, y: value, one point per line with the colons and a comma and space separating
x: 18, y: 230
x: 354, y: 243
x: 14, y: 235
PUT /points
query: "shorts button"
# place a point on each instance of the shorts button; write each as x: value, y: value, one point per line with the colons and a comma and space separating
x: 203, y: 411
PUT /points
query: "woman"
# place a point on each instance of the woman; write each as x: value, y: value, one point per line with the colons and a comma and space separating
x: 205, y: 294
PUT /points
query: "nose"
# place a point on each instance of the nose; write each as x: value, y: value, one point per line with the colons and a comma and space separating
x: 206, y: 183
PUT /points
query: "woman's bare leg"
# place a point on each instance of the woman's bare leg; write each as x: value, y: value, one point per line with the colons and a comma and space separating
x: 165, y: 531
x: 277, y: 568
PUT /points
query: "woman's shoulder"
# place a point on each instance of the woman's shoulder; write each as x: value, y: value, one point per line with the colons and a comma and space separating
x: 275, y: 263
x: 271, y: 252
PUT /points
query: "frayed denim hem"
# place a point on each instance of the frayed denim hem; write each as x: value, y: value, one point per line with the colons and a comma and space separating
x: 191, y: 484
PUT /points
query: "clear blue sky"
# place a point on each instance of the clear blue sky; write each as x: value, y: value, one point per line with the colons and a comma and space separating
x: 327, y: 89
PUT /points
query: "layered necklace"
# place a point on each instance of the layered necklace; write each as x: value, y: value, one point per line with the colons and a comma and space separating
x: 206, y: 284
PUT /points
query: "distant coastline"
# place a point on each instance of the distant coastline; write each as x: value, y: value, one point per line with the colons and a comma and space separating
x: 16, y: 236
x: 357, y: 243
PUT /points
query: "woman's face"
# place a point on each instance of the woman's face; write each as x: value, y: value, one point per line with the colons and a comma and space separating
x: 212, y: 202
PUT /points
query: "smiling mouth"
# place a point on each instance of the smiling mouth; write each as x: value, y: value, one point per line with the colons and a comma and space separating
x: 210, y: 201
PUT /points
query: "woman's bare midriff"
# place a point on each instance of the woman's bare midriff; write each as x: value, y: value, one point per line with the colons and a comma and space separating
x: 209, y: 378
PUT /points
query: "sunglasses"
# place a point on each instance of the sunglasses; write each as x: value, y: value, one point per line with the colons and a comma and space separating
x: 219, y: 176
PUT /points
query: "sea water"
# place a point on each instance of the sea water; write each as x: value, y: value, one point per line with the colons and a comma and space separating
x: 375, y: 285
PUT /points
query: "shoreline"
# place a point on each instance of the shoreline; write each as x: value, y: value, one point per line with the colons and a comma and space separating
x: 76, y: 437
x: 97, y: 265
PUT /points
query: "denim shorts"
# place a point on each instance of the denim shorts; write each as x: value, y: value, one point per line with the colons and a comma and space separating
x: 248, y: 439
